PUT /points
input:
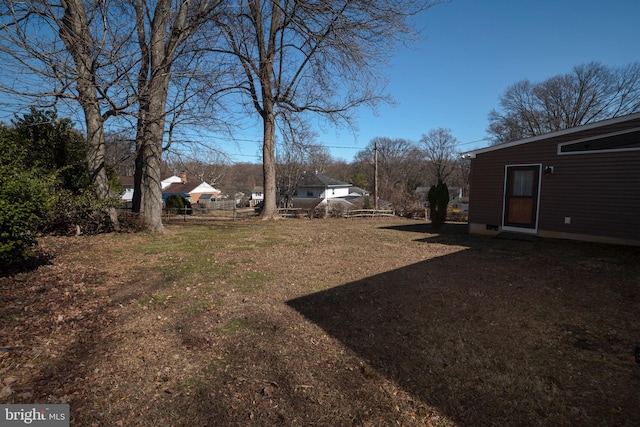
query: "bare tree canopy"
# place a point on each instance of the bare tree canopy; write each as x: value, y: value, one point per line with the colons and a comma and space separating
x: 128, y: 61
x: 589, y: 93
x: 133, y: 62
x: 439, y: 147
x: 400, y: 168
x: 317, y: 57
x: 293, y: 161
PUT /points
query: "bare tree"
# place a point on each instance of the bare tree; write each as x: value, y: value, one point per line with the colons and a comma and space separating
x: 462, y: 173
x: 439, y: 147
x: 200, y: 162
x: 120, y: 153
x: 115, y: 59
x: 310, y: 57
x: 400, y: 169
x: 56, y: 52
x: 162, y: 32
x: 589, y: 93
x: 296, y: 157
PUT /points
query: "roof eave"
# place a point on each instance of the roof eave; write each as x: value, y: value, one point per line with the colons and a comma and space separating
x: 472, y: 154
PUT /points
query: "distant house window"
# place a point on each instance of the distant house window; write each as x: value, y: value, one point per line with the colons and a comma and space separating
x: 309, y: 193
x: 628, y: 140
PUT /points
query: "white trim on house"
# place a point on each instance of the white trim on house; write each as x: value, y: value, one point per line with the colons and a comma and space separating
x: 472, y: 154
x: 591, y: 138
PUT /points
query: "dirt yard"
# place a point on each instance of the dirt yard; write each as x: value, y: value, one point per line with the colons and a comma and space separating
x: 324, y: 322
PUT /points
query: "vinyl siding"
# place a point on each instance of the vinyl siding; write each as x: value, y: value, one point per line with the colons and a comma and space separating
x: 600, y: 192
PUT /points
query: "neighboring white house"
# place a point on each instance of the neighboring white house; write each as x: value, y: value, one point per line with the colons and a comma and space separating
x: 193, y: 189
x: 127, y: 183
x: 173, y: 185
x: 318, y: 186
x: 257, y: 196
x: 317, y: 190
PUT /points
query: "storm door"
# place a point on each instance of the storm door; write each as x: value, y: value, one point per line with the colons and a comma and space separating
x: 521, y: 197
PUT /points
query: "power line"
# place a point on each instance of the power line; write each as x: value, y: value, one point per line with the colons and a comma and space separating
x: 472, y: 142
x: 361, y: 148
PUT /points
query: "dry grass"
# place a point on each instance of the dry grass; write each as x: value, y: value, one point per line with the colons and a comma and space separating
x: 325, y: 322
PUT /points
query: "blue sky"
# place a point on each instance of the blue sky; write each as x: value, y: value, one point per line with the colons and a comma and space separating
x: 471, y: 52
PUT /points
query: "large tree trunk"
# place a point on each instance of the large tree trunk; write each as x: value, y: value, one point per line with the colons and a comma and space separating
x: 96, y: 160
x: 151, y: 188
x: 74, y: 31
x: 152, y: 133
x: 269, y: 209
x: 153, y: 84
x: 136, y: 200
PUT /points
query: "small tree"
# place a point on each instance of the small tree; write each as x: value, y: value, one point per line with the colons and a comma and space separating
x: 26, y: 195
x: 359, y: 179
x: 51, y: 147
x: 438, y: 197
x: 368, y: 204
x: 179, y: 203
x: 174, y: 201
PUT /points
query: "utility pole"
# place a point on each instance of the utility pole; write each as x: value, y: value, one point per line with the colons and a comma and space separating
x: 375, y: 175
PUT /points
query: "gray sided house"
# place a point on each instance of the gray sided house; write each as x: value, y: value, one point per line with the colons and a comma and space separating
x: 581, y: 183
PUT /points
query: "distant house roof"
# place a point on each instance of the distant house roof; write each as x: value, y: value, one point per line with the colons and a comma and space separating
x: 305, y: 203
x: 317, y: 180
x: 190, y: 187
x: 179, y: 187
x: 357, y: 191
x: 339, y: 201
x: 172, y: 179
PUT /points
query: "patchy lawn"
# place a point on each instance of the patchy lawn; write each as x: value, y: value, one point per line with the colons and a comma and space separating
x: 324, y: 322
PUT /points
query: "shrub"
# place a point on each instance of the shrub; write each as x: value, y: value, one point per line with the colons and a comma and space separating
x: 438, y: 197
x: 174, y: 201
x: 25, y: 198
x: 337, y: 210
x: 368, y: 204
x: 131, y: 222
x: 44, y: 184
x: 78, y: 212
x: 178, y: 203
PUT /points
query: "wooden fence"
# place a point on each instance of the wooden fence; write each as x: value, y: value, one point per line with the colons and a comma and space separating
x: 369, y: 213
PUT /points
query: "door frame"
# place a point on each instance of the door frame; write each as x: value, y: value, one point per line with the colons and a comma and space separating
x: 536, y: 198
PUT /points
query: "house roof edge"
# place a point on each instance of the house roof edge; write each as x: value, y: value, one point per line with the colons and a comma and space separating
x: 633, y: 116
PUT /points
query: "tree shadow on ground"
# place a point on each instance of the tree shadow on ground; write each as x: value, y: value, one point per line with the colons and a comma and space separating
x: 25, y: 266
x: 499, y: 333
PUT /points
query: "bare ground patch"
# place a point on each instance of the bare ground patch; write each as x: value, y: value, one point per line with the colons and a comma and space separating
x: 336, y: 322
